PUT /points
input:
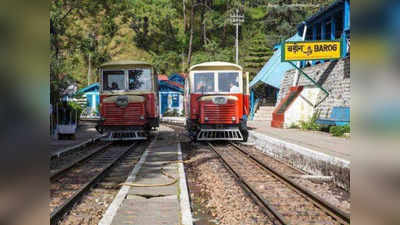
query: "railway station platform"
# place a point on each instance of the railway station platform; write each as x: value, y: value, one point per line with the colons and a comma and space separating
x: 155, y: 192
x: 86, y: 132
x: 313, y: 140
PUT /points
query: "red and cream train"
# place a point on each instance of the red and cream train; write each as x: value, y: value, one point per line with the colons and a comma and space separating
x: 217, y: 102
x: 128, y: 100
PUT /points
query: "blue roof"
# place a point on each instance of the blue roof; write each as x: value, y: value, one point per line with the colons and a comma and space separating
x: 273, y: 71
x: 93, y: 87
x: 165, y: 86
x: 177, y: 78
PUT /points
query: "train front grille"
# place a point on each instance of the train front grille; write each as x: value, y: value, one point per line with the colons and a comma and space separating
x: 129, y: 115
x: 219, y: 114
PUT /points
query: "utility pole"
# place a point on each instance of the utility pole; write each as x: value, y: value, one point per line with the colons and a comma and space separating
x: 236, y: 19
x: 91, y: 37
x: 89, y: 70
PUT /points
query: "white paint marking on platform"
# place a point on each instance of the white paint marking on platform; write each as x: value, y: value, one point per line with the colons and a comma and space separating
x: 123, y: 192
x: 186, y: 212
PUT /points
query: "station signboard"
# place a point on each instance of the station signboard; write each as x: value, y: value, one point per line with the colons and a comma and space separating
x: 311, y: 50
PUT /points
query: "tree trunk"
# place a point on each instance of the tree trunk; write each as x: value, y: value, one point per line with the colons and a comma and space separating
x: 191, y: 35
x: 203, y: 38
x: 89, y: 70
x: 184, y: 15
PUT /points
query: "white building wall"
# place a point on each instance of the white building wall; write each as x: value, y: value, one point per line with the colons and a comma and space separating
x: 302, y: 108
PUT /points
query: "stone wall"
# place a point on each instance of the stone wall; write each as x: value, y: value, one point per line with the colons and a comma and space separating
x: 334, y: 76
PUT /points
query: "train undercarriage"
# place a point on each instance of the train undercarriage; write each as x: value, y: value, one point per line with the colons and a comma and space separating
x: 126, y: 133
x: 217, y: 132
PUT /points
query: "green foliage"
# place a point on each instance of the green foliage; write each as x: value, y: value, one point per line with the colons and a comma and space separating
x: 75, y: 106
x: 293, y: 126
x: 339, y: 130
x: 311, y: 124
x: 172, y: 113
x: 257, y: 13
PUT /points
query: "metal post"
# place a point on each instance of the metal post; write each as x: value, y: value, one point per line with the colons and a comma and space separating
x: 333, y: 28
x: 296, y: 75
x: 237, y: 19
x: 312, y: 81
x: 323, y: 33
x: 237, y: 43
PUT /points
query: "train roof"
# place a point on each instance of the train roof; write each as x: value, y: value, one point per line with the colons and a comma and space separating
x: 125, y: 63
x: 216, y: 66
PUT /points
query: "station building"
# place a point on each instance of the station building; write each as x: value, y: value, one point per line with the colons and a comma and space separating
x: 294, y: 98
x: 171, y: 94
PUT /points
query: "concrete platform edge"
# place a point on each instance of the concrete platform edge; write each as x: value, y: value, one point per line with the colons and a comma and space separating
x: 186, y: 213
x: 80, y: 145
x: 311, y: 161
x: 116, y: 203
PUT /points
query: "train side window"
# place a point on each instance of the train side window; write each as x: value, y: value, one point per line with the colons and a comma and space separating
x: 228, y: 82
x: 113, y: 80
x: 140, y: 79
x: 204, y: 82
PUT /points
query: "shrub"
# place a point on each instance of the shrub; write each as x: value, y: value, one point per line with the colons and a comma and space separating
x: 339, y: 131
x: 173, y: 113
x: 311, y: 124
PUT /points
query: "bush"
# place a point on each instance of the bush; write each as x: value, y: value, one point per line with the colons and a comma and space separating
x: 173, y: 113
x: 339, y: 131
x: 311, y: 124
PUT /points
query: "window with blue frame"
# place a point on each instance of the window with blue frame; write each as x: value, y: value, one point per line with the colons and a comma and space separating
x: 175, y: 100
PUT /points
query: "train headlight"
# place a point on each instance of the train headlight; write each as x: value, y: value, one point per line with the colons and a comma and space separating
x: 142, y: 117
x: 233, y: 118
x: 205, y: 118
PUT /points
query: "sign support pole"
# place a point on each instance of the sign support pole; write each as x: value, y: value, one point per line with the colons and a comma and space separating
x: 312, y: 81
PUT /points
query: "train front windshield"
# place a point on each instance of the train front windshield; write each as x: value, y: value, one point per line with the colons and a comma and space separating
x: 140, y: 79
x: 219, y: 82
x: 132, y: 80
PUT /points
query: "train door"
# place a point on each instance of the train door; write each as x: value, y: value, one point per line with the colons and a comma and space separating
x: 246, y: 95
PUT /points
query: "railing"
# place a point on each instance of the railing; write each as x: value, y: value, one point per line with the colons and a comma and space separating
x: 254, y: 108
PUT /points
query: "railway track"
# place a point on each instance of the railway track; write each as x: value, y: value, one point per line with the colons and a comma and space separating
x: 71, y: 182
x: 60, y: 164
x: 288, y: 202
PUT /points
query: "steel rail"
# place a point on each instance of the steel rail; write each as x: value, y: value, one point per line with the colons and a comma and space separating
x: 331, y: 210
x: 57, y: 172
x: 60, y: 210
x: 257, y: 197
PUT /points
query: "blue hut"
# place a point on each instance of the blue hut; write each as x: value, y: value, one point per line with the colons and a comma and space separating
x: 91, y: 93
x: 171, y: 94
